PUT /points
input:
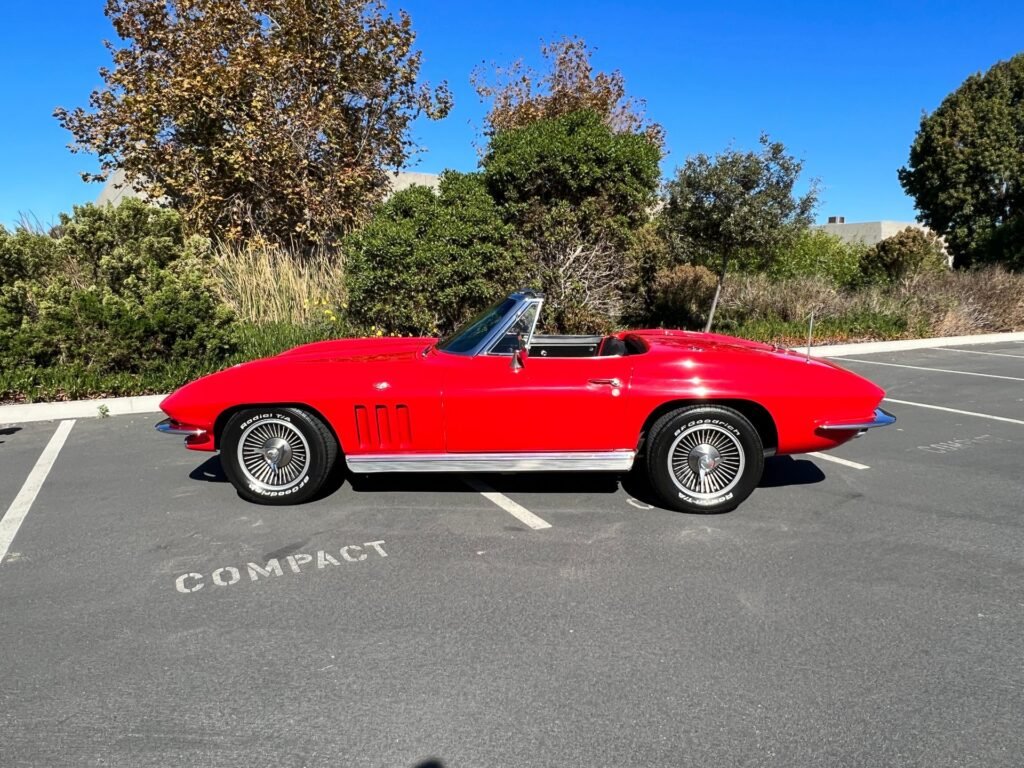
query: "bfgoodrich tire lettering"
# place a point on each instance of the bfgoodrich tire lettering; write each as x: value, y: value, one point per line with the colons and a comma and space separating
x: 277, y: 455
x: 704, y: 458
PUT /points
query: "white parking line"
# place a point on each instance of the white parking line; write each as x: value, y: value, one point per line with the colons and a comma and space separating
x: 979, y: 352
x: 517, y: 511
x: 837, y: 460
x: 954, y: 410
x: 936, y: 370
x: 11, y: 521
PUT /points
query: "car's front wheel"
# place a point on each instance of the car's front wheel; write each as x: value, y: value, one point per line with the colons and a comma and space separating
x: 704, y: 458
x: 277, y: 455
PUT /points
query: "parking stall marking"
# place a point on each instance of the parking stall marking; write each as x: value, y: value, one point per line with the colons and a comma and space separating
x: 979, y: 352
x: 15, y: 515
x: 837, y: 460
x: 934, y: 370
x: 954, y: 410
x: 517, y: 511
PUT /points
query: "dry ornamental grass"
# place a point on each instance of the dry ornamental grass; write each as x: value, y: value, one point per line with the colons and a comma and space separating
x: 266, y: 284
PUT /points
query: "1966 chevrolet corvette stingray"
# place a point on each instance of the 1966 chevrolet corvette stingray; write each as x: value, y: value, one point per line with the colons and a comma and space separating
x: 701, y: 411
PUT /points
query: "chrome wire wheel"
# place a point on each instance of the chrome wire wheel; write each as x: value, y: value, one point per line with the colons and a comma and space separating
x: 706, y: 461
x: 273, y: 454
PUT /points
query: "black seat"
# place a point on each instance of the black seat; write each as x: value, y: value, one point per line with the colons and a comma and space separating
x: 612, y: 346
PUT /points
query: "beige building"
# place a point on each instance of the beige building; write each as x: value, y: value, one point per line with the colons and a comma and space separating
x: 116, y: 189
x: 866, y: 232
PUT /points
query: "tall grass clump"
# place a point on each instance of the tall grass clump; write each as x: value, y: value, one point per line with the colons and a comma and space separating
x: 268, y: 284
x: 925, y: 304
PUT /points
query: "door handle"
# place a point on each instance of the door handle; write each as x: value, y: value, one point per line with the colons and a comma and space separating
x: 607, y: 382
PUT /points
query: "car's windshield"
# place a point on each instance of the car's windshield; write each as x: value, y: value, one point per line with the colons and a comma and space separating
x: 522, y: 328
x: 467, y: 337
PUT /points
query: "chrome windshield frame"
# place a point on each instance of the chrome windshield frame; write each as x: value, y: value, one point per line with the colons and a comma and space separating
x: 512, y: 319
x: 522, y: 299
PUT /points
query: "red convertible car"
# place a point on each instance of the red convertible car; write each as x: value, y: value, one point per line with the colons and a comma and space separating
x: 701, y: 411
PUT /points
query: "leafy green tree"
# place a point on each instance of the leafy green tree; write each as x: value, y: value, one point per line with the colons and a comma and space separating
x: 905, y: 254
x: 576, y: 193
x: 276, y: 118
x: 736, y: 205
x: 966, y: 168
x: 428, y: 261
x: 573, y: 162
x: 573, y: 167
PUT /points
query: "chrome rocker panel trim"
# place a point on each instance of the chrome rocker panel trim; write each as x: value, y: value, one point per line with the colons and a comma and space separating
x: 171, y: 427
x: 882, y: 419
x: 602, y: 461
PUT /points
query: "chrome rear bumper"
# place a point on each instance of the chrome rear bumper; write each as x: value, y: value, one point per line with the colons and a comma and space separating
x: 882, y: 419
x: 171, y: 427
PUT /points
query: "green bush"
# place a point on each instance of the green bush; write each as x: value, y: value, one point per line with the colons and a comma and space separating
x: 573, y: 162
x: 112, y: 290
x: 427, y: 261
x: 682, y: 295
x: 907, y: 253
x: 819, y: 254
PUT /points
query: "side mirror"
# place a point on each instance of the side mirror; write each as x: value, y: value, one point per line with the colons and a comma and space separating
x: 520, y: 353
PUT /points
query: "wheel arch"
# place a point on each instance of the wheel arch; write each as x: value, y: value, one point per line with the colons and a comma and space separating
x: 225, y: 415
x: 756, y: 413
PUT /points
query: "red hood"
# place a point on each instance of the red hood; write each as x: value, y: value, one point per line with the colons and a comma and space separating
x: 359, y: 349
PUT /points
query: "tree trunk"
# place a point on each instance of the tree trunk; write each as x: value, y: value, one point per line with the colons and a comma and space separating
x: 718, y: 293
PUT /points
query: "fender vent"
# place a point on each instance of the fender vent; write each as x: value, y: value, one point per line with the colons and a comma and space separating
x: 383, y: 427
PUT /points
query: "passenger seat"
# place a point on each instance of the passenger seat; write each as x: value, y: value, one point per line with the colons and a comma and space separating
x: 612, y: 346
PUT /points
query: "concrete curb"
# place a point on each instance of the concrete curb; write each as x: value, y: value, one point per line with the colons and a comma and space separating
x: 872, y: 347
x: 121, y: 406
x: 78, y: 409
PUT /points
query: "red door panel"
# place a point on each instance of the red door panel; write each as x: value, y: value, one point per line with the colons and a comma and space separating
x: 551, y: 404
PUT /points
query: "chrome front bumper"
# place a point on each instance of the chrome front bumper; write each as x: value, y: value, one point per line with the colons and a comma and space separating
x: 171, y: 427
x: 882, y: 419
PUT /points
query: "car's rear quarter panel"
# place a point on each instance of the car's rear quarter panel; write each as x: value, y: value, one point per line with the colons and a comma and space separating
x: 798, y: 394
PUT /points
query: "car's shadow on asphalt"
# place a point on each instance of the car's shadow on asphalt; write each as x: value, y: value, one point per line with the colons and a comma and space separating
x: 779, y: 471
x: 8, y: 431
x: 210, y: 471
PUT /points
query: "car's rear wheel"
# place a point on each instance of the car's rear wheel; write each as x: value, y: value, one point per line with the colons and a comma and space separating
x: 704, y: 458
x: 277, y: 455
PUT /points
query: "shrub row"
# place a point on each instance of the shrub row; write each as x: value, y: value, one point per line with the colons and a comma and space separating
x: 117, y: 301
x: 111, y: 291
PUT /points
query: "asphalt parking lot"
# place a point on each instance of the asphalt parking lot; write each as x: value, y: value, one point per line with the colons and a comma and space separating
x: 866, y: 613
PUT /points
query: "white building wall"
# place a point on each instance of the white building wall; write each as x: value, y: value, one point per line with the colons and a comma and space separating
x: 869, y: 232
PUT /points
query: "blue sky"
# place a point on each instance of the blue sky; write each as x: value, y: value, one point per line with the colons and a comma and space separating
x: 842, y: 85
